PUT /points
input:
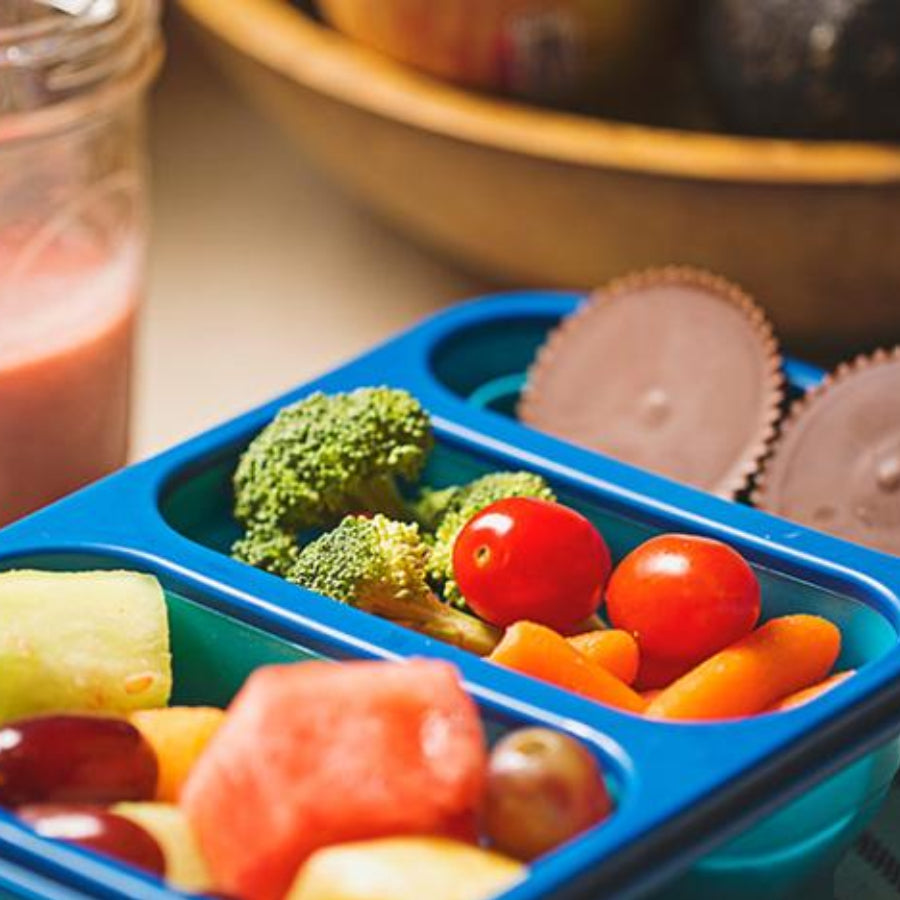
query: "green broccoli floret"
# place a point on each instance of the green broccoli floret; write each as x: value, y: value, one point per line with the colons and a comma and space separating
x: 379, y: 566
x: 266, y: 548
x: 323, y: 458
x: 467, y: 502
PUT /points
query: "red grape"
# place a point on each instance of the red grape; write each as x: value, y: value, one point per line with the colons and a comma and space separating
x: 544, y: 788
x: 74, y: 759
x: 96, y: 829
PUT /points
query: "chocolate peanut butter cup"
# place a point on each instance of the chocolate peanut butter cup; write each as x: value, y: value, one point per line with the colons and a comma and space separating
x: 673, y: 370
x: 836, y: 466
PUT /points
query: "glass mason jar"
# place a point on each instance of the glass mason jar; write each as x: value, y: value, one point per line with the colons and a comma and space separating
x: 73, y: 80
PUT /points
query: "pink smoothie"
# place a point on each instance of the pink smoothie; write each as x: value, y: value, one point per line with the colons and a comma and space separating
x: 67, y: 319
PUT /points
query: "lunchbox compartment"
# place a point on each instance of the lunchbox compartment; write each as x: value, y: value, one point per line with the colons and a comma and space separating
x: 213, y: 653
x: 197, y: 503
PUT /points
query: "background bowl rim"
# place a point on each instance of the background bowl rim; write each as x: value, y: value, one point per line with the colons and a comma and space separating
x: 286, y: 40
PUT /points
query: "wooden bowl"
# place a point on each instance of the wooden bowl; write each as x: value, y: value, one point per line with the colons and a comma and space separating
x: 538, y: 197
x: 556, y: 51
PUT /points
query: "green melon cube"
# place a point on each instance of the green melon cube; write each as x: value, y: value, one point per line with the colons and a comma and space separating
x: 82, y: 641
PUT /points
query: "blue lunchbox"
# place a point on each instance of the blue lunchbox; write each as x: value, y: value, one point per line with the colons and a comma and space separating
x: 760, y: 807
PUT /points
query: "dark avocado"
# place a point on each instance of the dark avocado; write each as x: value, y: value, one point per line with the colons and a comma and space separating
x: 804, y: 68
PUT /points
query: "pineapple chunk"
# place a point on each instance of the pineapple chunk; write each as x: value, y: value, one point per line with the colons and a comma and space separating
x: 82, y: 642
x: 185, y: 867
x: 178, y: 734
x: 405, y: 868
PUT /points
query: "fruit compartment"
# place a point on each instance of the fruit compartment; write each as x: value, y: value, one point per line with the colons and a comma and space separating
x: 213, y: 653
x: 686, y: 788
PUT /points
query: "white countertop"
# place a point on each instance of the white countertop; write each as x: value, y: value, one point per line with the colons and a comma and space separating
x: 262, y: 273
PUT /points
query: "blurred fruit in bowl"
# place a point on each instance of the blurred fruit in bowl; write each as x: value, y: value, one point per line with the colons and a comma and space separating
x: 543, y: 50
x: 805, y: 68
x: 535, y: 196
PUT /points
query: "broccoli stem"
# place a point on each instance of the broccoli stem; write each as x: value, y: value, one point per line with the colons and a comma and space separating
x: 432, y: 617
x: 380, y: 495
x: 430, y: 506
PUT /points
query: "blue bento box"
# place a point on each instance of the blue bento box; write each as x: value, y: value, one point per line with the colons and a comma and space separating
x: 761, y: 807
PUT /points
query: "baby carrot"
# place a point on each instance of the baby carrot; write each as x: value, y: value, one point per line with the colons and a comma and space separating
x: 615, y: 650
x: 780, y: 657
x: 542, y: 653
x: 792, y: 701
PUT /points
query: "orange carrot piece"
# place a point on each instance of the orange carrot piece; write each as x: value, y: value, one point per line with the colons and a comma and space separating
x: 542, y: 653
x: 792, y: 701
x: 780, y: 657
x: 614, y: 649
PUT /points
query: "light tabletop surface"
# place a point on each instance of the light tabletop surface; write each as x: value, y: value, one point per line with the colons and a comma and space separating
x: 262, y: 273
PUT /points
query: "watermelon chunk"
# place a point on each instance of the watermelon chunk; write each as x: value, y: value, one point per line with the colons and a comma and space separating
x: 315, y: 754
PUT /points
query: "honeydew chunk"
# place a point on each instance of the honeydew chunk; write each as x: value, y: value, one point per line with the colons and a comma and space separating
x: 82, y: 642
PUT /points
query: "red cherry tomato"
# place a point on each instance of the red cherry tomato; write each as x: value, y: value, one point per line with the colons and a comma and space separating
x: 655, y: 674
x: 523, y: 558
x: 683, y: 597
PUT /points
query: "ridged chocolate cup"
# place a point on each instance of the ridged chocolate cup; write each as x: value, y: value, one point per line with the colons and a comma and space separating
x: 836, y: 466
x: 674, y: 370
